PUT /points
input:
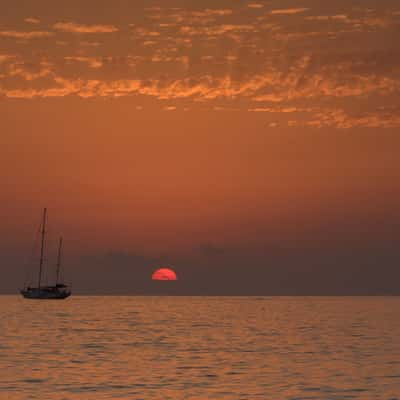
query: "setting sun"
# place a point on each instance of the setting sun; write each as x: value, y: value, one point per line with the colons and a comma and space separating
x: 164, y: 274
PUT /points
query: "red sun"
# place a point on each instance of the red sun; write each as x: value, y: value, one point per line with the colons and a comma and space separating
x: 164, y: 274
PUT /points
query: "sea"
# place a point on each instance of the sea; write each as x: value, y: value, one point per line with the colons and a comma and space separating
x: 200, y: 348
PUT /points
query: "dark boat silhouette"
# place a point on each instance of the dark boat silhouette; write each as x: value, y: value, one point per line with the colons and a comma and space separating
x: 58, y: 291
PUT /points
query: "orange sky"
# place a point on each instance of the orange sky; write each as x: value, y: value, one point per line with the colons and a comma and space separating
x: 159, y: 128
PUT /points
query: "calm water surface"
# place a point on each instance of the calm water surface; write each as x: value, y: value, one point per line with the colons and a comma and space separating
x: 200, y: 348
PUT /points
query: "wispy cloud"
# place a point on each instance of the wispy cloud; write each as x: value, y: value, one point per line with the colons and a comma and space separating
x: 31, y: 20
x: 357, y: 23
x: 6, y: 57
x: 255, y: 5
x: 216, y: 30
x: 92, y: 62
x: 340, y: 119
x: 90, y: 44
x: 279, y: 110
x: 287, y: 36
x: 212, y: 11
x: 336, y: 17
x: 81, y: 28
x: 26, y: 35
x: 29, y: 74
x: 288, y: 11
x: 243, y: 58
x: 179, y: 15
x: 307, y: 78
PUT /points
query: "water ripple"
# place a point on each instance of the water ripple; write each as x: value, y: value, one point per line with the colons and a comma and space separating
x: 195, y: 348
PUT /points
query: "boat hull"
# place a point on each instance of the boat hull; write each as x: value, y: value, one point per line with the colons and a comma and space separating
x: 45, y: 294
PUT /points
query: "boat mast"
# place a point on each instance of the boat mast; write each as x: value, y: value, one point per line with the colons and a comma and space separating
x: 43, y: 232
x: 59, y: 259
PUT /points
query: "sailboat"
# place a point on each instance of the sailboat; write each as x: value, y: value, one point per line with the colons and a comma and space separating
x: 59, y: 290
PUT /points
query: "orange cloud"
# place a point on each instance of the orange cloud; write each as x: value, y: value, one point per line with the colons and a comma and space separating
x: 216, y: 30
x: 340, y: 119
x: 90, y: 44
x: 305, y: 35
x: 21, y: 70
x: 207, y: 88
x: 26, y: 35
x: 80, y: 28
x: 240, y: 58
x: 92, y: 62
x: 210, y: 11
x: 255, y: 5
x: 288, y: 11
x: 32, y: 20
x: 272, y: 86
x: 19, y: 93
x: 181, y: 15
x: 6, y: 57
x: 284, y: 110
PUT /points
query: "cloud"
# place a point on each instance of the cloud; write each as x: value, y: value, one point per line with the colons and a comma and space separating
x: 216, y: 30
x: 285, y: 67
x: 205, y: 88
x: 337, y: 17
x: 214, y: 57
x: 311, y: 77
x: 340, y: 119
x: 32, y: 20
x: 29, y: 73
x: 90, y: 44
x: 81, y: 28
x: 284, y: 110
x: 212, y: 11
x: 26, y: 35
x: 92, y: 62
x: 285, y: 36
x: 6, y: 57
x: 255, y: 5
x: 288, y: 11
x: 357, y: 23
x: 189, y: 16
x: 306, y: 78
x: 19, y: 93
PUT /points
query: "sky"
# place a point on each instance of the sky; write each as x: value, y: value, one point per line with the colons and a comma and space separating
x: 252, y: 146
